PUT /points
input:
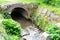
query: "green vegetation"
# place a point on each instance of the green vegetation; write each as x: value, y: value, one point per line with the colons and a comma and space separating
x: 12, y: 27
x: 52, y: 5
x: 13, y: 37
x: 9, y: 26
x: 7, y: 16
x: 54, y: 32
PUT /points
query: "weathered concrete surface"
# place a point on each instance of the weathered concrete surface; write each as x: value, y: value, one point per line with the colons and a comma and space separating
x: 27, y: 7
x: 33, y: 33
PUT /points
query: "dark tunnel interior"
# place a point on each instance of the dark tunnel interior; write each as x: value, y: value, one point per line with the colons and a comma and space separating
x: 17, y: 13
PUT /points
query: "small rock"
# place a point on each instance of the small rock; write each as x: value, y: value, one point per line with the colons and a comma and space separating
x: 42, y: 15
x: 39, y: 9
x: 24, y: 33
x: 56, y: 17
x: 58, y: 25
x: 0, y: 20
x: 3, y: 6
x: 44, y: 11
x: 48, y: 13
x: 59, y: 18
x: 44, y: 36
x: 52, y: 16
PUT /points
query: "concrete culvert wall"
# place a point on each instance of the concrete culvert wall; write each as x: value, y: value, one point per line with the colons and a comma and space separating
x: 18, y: 14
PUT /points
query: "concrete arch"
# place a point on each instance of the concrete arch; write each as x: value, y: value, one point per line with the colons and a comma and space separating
x: 20, y: 7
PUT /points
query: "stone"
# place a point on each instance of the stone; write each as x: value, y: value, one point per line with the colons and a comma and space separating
x: 44, y: 11
x: 39, y: 9
x: 56, y: 17
x: 4, y: 7
x: 48, y: 13
x: 50, y: 21
x: 59, y: 18
x: 0, y: 20
x: 42, y: 15
x: 58, y: 25
x: 24, y: 32
x: 52, y: 16
x: 0, y: 36
x: 34, y: 33
x: 44, y: 36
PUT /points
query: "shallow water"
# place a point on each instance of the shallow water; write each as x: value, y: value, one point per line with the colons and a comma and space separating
x: 23, y: 21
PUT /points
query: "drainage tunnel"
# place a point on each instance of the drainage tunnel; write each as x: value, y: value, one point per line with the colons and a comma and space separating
x: 18, y: 14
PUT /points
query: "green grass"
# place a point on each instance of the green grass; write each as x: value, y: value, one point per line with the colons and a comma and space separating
x: 13, y: 37
x: 52, y: 8
x: 16, y: 1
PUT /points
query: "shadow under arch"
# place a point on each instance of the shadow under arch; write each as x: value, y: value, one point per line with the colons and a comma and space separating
x: 18, y: 14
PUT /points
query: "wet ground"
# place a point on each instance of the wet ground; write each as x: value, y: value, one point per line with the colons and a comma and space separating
x: 23, y: 21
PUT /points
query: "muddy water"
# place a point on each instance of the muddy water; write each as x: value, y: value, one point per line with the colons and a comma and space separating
x: 23, y: 22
